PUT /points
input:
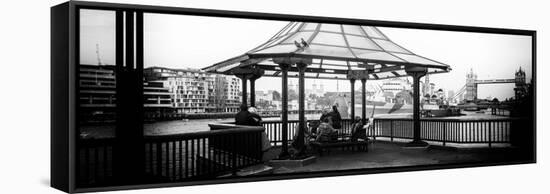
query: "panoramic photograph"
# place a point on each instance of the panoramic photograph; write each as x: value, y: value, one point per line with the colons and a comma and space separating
x: 166, y: 98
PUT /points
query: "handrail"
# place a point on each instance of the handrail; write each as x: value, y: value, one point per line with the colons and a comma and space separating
x: 449, y: 119
x: 175, y: 157
x: 205, y: 134
x: 448, y: 130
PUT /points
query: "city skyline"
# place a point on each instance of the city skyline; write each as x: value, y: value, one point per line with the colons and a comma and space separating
x: 170, y: 43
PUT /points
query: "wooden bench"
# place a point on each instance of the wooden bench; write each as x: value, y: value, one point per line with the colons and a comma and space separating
x: 353, y: 145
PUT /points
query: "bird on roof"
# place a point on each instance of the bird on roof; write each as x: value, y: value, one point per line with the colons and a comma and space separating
x: 304, y: 43
x: 298, y: 45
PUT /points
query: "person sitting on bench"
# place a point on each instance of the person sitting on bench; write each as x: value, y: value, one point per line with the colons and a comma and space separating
x: 358, y: 131
x: 325, y: 132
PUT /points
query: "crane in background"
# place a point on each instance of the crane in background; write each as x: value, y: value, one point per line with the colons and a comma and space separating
x: 97, y: 53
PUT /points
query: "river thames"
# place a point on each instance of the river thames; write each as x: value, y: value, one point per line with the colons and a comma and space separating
x: 189, y: 126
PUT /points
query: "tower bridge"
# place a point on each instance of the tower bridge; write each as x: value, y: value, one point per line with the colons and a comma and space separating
x: 468, y: 92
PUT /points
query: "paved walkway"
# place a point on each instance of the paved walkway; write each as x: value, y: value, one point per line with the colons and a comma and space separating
x: 387, y: 154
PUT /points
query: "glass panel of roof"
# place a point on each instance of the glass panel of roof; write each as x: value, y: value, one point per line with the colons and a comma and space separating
x: 330, y: 51
x: 361, y: 42
x: 341, y: 76
x: 295, y: 27
x: 335, y: 62
x: 228, y: 67
x: 348, y: 29
x: 371, y: 76
x: 390, y: 46
x: 401, y: 72
x: 418, y: 60
x: 284, y: 31
x: 353, y: 63
x: 291, y: 27
x: 385, y: 75
x: 268, y: 62
x: 329, y: 39
x: 314, y: 65
x: 331, y: 28
x: 310, y: 26
x: 373, y: 32
x: 282, y: 48
x: 375, y: 55
x: 298, y: 37
x: 325, y: 66
x: 323, y: 75
x: 357, y: 68
x: 311, y: 74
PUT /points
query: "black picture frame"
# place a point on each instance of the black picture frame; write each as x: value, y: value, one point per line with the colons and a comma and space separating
x: 64, y: 77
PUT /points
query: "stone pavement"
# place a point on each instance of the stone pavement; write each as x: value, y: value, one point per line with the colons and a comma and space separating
x: 388, y: 154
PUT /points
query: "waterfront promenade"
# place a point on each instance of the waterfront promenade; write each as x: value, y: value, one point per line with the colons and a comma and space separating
x: 175, y: 155
x: 383, y: 154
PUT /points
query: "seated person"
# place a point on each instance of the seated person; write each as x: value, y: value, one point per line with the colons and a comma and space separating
x: 254, y: 118
x: 242, y: 116
x: 336, y: 118
x: 313, y: 127
x: 361, y: 131
x: 358, y: 130
x: 324, y: 114
x: 325, y: 132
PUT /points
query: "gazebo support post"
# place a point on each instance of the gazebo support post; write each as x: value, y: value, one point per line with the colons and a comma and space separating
x: 284, y: 109
x: 352, y: 82
x: 246, y: 74
x: 243, y: 91
x: 416, y: 73
x: 363, y: 101
x: 253, y: 91
x: 299, y: 143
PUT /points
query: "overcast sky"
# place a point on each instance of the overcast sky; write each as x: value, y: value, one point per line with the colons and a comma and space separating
x: 177, y: 41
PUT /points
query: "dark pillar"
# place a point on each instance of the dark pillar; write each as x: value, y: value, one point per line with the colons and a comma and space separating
x: 246, y: 74
x: 363, y: 101
x: 252, y: 91
x: 416, y: 73
x: 299, y: 143
x: 128, y: 153
x: 284, y: 107
x: 352, y: 82
x: 243, y: 94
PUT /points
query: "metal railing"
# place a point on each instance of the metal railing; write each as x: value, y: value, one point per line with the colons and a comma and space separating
x: 486, y: 131
x: 179, y: 157
x: 208, y: 154
x: 273, y: 129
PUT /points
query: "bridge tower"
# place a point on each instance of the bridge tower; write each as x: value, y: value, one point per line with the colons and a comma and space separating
x: 471, y: 86
x: 521, y: 86
x: 426, y: 88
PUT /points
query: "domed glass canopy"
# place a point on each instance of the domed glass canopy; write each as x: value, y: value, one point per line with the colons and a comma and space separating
x: 334, y: 50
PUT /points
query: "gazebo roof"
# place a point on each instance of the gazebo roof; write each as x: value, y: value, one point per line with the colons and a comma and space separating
x: 334, y: 50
